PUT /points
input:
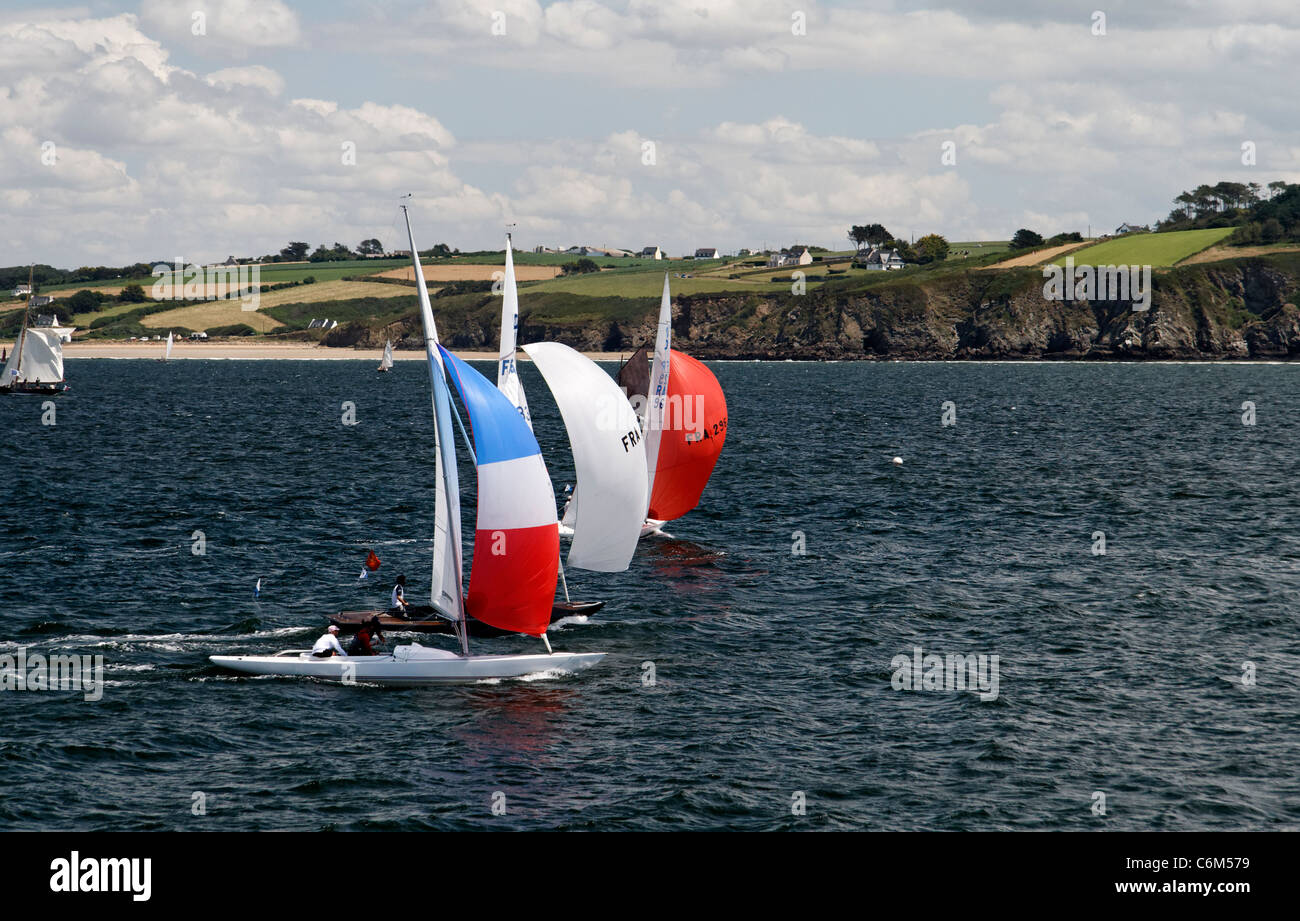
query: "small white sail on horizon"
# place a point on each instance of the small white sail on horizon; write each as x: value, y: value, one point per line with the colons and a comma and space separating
x: 386, y: 362
x: 167, y: 351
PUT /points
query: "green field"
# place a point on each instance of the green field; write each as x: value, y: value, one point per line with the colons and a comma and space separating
x: 1159, y: 250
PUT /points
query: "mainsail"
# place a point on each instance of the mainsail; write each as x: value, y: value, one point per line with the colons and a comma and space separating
x: 609, y: 501
x: 167, y: 352
x: 446, y: 588
x: 508, y: 381
x: 516, y: 538
x: 387, y: 361
x: 37, y: 358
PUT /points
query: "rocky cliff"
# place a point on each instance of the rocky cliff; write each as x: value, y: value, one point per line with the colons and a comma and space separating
x: 1237, y: 309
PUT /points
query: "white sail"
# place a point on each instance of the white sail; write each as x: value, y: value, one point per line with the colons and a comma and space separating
x: 447, y: 586
x: 167, y: 353
x: 508, y: 381
x: 10, y: 373
x: 609, y: 499
x: 37, y: 358
x: 656, y: 400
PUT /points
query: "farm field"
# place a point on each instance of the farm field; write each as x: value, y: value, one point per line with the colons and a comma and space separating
x: 1037, y: 257
x: 651, y: 284
x: 1219, y: 253
x: 207, y: 314
x: 1159, y: 250
x: 462, y: 271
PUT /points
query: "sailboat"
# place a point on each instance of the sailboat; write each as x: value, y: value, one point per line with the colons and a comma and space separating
x: 684, y: 417
x: 604, y: 435
x: 516, y: 543
x: 36, y: 364
x: 386, y: 363
x: 167, y: 349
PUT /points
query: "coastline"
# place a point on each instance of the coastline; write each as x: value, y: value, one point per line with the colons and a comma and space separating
x: 254, y: 351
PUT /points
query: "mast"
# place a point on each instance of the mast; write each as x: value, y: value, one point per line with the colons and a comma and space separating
x: 444, y: 441
x: 22, y: 335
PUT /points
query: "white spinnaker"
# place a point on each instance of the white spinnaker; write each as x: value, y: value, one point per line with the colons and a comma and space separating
x: 508, y: 381
x: 656, y: 399
x: 446, y: 586
x: 167, y: 352
x: 609, y: 498
x: 42, y: 358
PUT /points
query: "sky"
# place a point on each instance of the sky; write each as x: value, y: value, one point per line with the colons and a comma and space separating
x: 201, y: 129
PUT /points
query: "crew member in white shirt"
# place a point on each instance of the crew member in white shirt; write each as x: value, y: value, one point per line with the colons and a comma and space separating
x: 328, y: 645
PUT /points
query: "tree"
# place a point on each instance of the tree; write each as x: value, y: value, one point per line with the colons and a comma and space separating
x: 132, y: 294
x: 931, y: 248
x: 877, y: 234
x: 905, y: 250
x: 371, y: 247
x: 295, y: 252
x: 581, y: 267
x: 1026, y: 238
x: 84, y: 301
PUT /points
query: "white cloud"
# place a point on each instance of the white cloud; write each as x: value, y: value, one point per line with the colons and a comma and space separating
x: 232, y: 28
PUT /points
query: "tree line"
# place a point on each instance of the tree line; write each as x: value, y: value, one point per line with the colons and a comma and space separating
x: 930, y: 248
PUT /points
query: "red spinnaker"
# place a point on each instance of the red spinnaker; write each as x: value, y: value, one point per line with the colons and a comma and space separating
x: 695, y: 426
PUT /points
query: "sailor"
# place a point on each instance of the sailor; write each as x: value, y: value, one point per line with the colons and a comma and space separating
x: 360, y: 645
x: 328, y: 645
x: 397, y: 601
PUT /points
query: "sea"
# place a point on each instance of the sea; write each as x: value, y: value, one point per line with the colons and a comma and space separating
x: 914, y: 596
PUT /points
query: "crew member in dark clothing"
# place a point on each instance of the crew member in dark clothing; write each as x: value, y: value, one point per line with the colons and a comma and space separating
x: 361, y: 644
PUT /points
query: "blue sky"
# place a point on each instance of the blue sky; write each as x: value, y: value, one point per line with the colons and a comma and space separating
x: 229, y: 142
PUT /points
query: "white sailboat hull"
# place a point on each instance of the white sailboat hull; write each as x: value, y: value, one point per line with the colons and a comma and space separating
x: 409, y: 666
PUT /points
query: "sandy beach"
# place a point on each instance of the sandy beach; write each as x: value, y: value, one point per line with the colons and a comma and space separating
x: 298, y: 351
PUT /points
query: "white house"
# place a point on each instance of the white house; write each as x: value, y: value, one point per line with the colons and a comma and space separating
x: 1132, y: 228
x: 877, y: 259
x: 795, y: 255
x: 652, y: 252
x: 22, y: 290
x: 707, y: 252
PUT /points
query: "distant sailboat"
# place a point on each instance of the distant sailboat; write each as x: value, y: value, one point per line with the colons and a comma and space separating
x: 386, y: 363
x: 35, y: 365
x: 516, y: 543
x: 684, y: 417
x: 167, y: 349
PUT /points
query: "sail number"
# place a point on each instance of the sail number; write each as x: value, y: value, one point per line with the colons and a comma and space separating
x: 630, y: 440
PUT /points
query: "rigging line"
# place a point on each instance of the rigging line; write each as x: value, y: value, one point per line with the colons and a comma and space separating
x: 469, y: 446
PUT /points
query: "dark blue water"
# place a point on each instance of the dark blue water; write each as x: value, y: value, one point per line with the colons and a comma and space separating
x: 1119, y: 673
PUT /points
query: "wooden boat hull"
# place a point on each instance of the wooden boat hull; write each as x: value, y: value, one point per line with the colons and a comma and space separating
x: 47, y: 390
x: 426, y: 622
x: 408, y: 666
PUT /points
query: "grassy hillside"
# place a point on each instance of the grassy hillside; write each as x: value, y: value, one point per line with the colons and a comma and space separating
x: 1160, y: 250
